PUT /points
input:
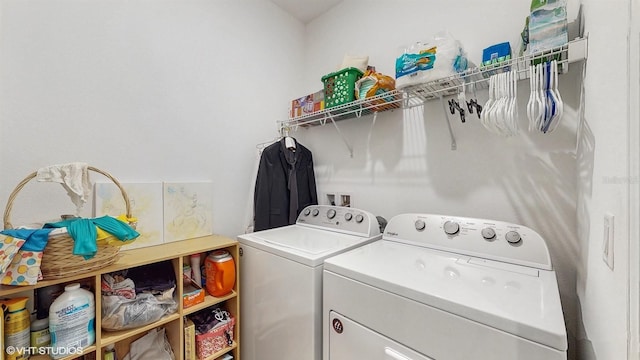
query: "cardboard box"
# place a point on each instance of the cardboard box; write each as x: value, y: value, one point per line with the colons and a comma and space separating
x: 307, y: 104
x: 189, y: 340
x: 215, y: 340
x: 192, y: 294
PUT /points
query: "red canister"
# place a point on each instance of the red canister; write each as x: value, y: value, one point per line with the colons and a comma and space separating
x: 221, y: 273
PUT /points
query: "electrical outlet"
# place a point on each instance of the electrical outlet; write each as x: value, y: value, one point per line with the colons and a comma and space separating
x: 331, y: 199
x: 607, y: 243
x: 345, y: 200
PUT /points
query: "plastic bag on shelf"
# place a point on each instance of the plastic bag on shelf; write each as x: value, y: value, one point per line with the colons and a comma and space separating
x: 438, y: 58
x: 154, y: 345
x: 548, y: 27
x: 122, y: 308
x: 373, y: 83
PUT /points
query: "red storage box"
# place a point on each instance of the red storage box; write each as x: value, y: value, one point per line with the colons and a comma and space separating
x: 215, y: 340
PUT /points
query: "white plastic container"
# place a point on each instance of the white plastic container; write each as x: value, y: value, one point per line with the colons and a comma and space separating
x: 40, y: 333
x: 72, y: 321
x: 195, y: 268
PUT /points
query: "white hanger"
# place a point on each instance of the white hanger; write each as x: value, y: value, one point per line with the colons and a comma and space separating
x: 532, y: 105
x: 289, y: 142
x: 541, y: 97
x: 514, y: 103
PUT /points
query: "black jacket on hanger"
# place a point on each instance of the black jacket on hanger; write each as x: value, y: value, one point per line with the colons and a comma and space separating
x: 283, y: 172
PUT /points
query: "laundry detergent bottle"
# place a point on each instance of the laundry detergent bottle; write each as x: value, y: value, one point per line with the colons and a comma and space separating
x: 16, y: 327
x: 220, y: 273
x: 72, y: 321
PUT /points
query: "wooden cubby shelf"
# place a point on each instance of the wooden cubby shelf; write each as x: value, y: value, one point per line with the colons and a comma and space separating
x: 177, y: 254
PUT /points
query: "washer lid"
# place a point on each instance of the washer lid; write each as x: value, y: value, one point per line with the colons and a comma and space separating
x: 516, y: 299
x: 306, y: 245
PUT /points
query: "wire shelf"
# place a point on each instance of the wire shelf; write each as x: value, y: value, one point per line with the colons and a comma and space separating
x: 415, y: 95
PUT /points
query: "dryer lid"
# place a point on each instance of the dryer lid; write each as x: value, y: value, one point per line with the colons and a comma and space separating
x: 520, y: 300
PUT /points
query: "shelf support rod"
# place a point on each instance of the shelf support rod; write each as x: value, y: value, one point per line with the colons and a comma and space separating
x: 373, y: 123
x: 446, y: 117
x: 342, y: 136
x: 359, y: 111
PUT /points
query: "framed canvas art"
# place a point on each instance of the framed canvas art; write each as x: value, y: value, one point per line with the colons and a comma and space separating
x: 188, y: 210
x: 146, y: 204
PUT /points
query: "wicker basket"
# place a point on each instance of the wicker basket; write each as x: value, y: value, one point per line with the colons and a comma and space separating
x: 58, y: 260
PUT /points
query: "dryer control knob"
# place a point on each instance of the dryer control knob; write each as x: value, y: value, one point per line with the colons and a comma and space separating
x: 488, y: 233
x: 359, y: 218
x: 513, y: 237
x: 307, y: 212
x: 331, y: 213
x: 315, y: 212
x: 348, y: 216
x: 451, y: 227
x: 420, y: 225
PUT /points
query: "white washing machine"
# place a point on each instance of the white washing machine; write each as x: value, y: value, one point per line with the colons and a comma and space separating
x: 444, y: 288
x: 281, y: 280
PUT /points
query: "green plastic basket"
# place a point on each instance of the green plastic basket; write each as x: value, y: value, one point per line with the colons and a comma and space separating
x: 339, y: 86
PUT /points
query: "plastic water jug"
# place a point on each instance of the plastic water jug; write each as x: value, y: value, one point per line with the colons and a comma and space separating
x: 72, y: 321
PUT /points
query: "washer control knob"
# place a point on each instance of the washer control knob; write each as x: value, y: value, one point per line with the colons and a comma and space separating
x: 513, y: 237
x: 420, y: 225
x: 488, y: 233
x: 331, y: 213
x: 348, y: 216
x: 359, y: 218
x: 307, y: 212
x: 451, y: 227
x: 315, y: 212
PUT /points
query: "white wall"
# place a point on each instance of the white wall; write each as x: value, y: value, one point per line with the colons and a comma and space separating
x: 634, y: 190
x: 408, y: 165
x: 173, y: 90
x: 604, y: 180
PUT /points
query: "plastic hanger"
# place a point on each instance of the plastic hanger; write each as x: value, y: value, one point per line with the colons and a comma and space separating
x: 541, y: 98
x: 289, y: 142
x: 559, y: 105
x: 551, y: 112
x: 514, y: 103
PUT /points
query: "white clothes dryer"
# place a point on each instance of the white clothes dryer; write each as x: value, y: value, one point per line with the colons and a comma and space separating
x: 281, y: 280
x: 444, y: 288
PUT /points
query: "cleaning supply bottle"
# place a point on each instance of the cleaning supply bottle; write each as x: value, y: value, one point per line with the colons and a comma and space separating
x: 110, y: 353
x: 16, y: 327
x: 72, y: 320
x: 40, y: 333
x: 195, y: 268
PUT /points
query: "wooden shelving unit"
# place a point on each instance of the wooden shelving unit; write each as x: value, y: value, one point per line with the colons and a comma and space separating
x: 177, y: 253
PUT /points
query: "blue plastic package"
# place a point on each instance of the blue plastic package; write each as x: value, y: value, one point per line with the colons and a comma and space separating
x: 496, y: 53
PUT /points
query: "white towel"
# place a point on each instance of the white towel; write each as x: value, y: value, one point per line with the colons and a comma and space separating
x: 74, y: 177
